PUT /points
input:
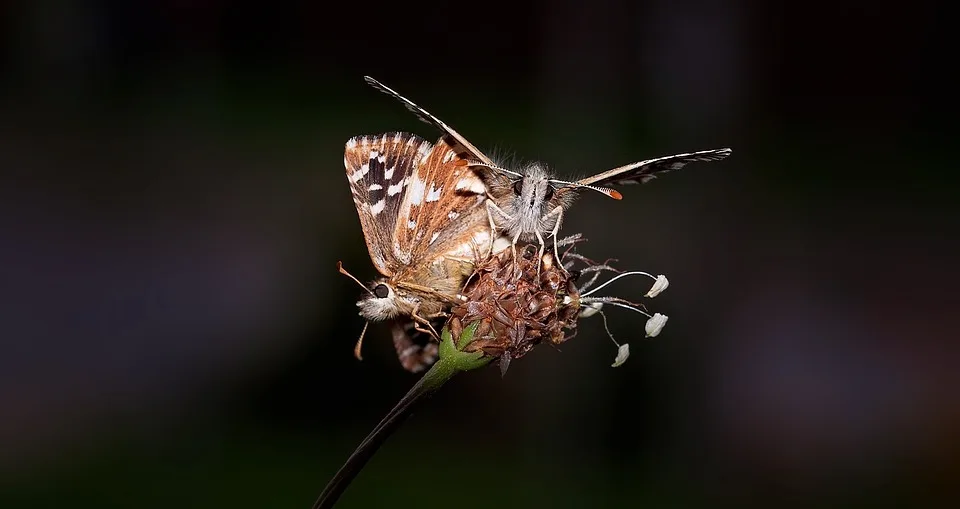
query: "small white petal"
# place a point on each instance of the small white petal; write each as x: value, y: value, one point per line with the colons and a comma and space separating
x: 655, y: 324
x: 622, y: 354
x: 590, y: 309
x: 659, y: 285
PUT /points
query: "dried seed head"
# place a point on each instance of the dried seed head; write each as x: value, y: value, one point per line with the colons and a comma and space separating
x: 517, y: 305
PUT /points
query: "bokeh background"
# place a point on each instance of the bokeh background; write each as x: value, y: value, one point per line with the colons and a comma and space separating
x: 174, y: 332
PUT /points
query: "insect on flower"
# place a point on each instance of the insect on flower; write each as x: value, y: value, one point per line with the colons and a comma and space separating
x: 519, y: 306
x: 528, y: 203
x: 425, y: 223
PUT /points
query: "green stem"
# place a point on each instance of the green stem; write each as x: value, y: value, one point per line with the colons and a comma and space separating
x: 452, y: 361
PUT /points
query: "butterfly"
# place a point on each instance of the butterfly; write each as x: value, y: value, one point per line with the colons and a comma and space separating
x: 424, y: 222
x: 528, y: 203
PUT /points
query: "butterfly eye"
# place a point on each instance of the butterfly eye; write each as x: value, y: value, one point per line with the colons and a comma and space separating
x: 518, y: 187
x: 381, y: 291
x: 549, y: 193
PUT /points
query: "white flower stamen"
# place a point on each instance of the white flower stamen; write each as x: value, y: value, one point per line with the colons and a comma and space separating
x: 589, y: 309
x: 655, y: 324
x: 659, y: 285
x: 623, y: 353
x: 634, y: 273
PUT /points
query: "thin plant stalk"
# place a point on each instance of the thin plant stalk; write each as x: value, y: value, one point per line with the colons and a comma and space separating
x: 452, y: 361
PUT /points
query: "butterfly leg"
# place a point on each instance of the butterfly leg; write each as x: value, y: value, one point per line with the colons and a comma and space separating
x: 543, y: 247
x: 556, y: 230
x: 422, y: 324
x: 491, y: 209
x: 428, y: 330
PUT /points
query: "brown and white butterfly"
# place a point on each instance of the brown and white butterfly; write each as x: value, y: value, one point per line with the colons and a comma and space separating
x: 425, y: 222
x: 528, y: 203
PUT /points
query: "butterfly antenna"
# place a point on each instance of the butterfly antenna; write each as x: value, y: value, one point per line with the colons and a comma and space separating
x: 349, y: 275
x: 612, y: 193
x: 495, y: 168
x: 356, y: 349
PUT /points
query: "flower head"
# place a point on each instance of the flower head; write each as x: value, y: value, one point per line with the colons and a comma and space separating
x: 517, y: 305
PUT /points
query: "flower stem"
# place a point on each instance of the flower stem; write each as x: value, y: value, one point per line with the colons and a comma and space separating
x: 452, y: 361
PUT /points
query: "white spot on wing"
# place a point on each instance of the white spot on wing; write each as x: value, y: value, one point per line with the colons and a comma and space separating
x: 378, y: 261
x: 466, y: 250
x: 400, y: 254
x: 471, y: 183
x: 395, y: 188
x: 378, y: 207
x: 422, y: 151
x: 424, y: 148
x: 434, y: 194
x: 501, y: 243
x: 449, y: 157
x: 351, y: 143
x: 381, y: 159
x: 375, y: 187
x: 411, y: 224
x: 389, y: 173
x: 434, y: 237
x: 374, y: 154
x: 417, y: 190
x: 481, y: 237
x: 453, y: 214
x: 358, y: 175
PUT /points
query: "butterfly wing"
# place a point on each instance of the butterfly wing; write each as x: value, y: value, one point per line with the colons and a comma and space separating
x: 644, y: 171
x: 378, y: 168
x: 460, y: 145
x: 415, y: 349
x: 442, y: 212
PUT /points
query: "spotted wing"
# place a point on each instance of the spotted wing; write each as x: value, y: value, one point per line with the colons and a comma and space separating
x: 645, y: 171
x: 378, y: 168
x: 459, y: 144
x: 443, y: 210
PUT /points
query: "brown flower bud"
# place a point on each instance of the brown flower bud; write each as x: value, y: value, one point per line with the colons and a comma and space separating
x: 519, y: 304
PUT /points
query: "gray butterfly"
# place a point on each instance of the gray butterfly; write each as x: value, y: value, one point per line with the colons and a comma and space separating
x: 528, y: 203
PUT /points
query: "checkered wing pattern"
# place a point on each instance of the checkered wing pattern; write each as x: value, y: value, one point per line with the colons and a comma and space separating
x: 378, y: 168
x: 443, y: 210
x: 645, y: 171
x: 416, y: 201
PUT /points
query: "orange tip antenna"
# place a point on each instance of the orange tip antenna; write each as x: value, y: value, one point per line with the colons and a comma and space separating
x: 349, y: 275
x: 359, y: 345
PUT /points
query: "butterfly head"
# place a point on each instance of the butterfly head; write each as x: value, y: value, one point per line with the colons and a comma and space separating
x: 537, y: 193
x: 533, y: 192
x: 384, y: 301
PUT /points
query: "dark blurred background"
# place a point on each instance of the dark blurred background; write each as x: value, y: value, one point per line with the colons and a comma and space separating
x: 173, y: 205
